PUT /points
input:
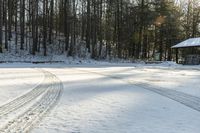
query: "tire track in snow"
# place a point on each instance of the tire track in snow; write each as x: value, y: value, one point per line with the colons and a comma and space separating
x: 25, y: 121
x: 26, y: 98
x: 181, y: 97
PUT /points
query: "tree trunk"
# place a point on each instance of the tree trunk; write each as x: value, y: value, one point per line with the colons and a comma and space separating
x: 6, y: 24
x: 44, y: 27
x: 1, y: 33
x: 88, y: 30
x: 16, y: 26
x: 22, y: 22
x: 51, y: 21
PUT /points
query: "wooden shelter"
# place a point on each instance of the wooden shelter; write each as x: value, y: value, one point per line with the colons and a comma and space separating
x: 188, y: 51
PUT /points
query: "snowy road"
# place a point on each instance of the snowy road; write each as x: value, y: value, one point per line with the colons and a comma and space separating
x: 181, y: 97
x: 39, y: 101
x: 114, y: 99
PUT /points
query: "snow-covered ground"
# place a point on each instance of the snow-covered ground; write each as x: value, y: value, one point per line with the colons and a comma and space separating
x: 185, y: 79
x: 103, y: 98
x: 17, y: 81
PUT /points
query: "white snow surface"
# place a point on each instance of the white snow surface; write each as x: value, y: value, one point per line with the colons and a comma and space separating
x: 102, y: 97
x: 14, y: 82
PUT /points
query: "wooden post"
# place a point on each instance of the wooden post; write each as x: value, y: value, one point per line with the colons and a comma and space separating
x: 176, y: 55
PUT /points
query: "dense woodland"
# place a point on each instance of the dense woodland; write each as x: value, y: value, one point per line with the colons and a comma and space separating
x: 136, y: 29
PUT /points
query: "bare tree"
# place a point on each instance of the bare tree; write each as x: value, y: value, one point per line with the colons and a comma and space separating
x: 1, y: 33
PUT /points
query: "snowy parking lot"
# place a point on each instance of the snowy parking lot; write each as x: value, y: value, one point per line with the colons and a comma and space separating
x: 115, y: 98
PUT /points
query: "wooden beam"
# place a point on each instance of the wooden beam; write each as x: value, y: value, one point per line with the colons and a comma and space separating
x: 177, y: 55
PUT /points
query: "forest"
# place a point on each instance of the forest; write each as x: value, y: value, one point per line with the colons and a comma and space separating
x: 125, y: 29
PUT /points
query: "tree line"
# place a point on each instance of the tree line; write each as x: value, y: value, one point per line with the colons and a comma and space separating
x: 138, y: 29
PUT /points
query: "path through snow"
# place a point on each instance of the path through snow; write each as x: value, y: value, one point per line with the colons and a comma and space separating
x: 39, y: 101
x: 109, y: 99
